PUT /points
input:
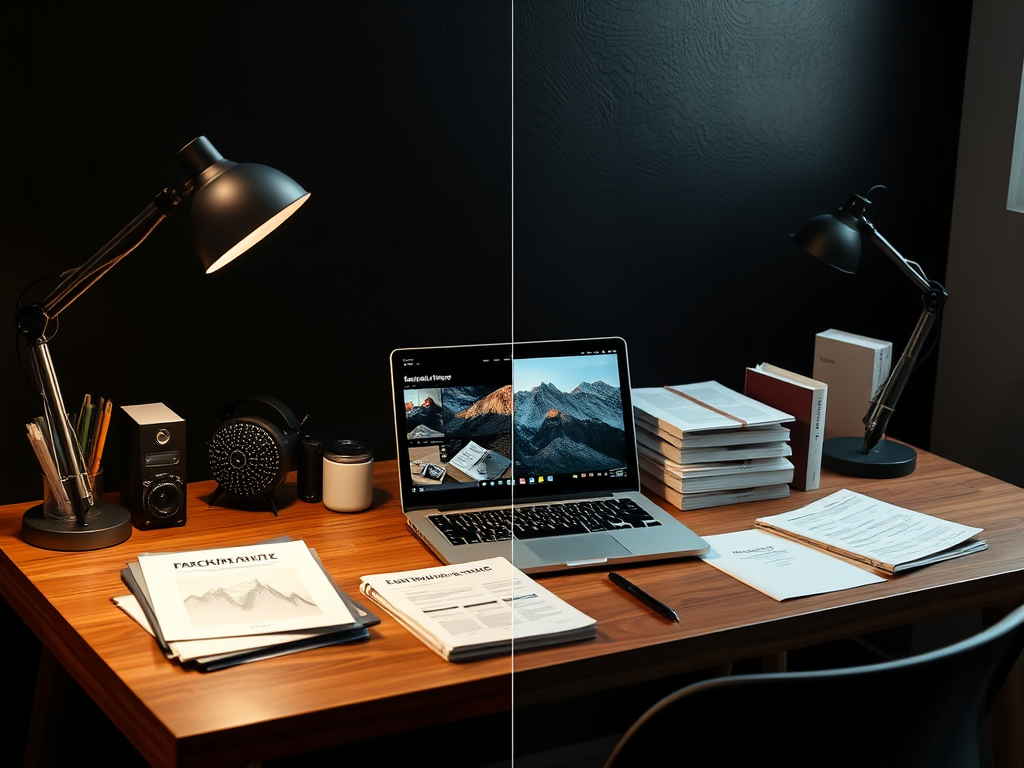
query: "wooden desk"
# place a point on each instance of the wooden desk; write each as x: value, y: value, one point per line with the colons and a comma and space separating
x: 392, y: 683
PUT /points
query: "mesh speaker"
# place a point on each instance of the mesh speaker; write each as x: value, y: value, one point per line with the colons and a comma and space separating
x: 251, y: 455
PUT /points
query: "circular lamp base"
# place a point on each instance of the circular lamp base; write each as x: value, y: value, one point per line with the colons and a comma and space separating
x: 109, y: 524
x: 845, y: 455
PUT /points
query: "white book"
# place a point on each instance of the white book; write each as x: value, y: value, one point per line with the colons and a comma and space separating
x: 854, y: 367
x: 686, y: 455
x: 682, y: 408
x: 705, y: 499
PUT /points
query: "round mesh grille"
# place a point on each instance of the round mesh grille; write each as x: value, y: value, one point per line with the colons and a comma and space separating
x: 245, y: 458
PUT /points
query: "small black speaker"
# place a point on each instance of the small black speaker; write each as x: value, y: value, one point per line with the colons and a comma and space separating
x: 152, y: 458
x: 253, y: 447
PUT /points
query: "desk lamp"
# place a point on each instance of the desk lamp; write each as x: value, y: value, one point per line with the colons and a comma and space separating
x: 835, y: 238
x: 234, y: 206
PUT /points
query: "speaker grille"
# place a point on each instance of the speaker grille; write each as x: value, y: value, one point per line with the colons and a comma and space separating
x: 245, y: 459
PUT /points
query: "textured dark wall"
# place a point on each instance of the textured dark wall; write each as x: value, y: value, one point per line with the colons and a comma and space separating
x: 658, y: 154
x: 396, y: 116
x: 664, y: 152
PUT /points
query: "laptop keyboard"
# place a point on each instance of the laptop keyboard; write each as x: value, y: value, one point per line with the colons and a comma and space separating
x: 542, y: 520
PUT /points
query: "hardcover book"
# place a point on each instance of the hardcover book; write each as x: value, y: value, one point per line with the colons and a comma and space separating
x: 807, y: 400
x: 854, y: 367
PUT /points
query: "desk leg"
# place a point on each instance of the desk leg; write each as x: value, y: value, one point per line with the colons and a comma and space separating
x: 1006, y: 720
x: 49, y: 705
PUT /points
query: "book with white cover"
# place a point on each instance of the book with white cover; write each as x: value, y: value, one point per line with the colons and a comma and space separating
x: 711, y: 438
x: 682, y: 408
x: 717, y: 476
x: 688, y: 455
x: 854, y: 367
x: 481, y: 608
x: 705, y: 499
x: 236, y: 591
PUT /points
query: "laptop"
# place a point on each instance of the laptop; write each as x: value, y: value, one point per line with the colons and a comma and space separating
x: 491, y: 438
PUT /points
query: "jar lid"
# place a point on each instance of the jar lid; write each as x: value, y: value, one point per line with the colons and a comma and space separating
x: 348, y: 451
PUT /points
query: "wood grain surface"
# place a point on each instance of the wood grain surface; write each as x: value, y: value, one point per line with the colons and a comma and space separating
x: 392, y: 682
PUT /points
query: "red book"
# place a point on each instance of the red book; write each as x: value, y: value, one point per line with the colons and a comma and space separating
x: 805, y: 399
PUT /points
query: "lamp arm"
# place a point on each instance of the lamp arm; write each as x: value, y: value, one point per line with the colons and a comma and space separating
x: 883, y: 403
x: 33, y: 323
x: 83, y: 277
x: 902, y: 264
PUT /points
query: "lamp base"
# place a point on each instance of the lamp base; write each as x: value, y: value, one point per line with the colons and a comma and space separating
x: 109, y: 524
x: 846, y: 456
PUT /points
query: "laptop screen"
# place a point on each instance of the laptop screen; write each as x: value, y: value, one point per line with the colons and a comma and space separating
x: 481, y: 425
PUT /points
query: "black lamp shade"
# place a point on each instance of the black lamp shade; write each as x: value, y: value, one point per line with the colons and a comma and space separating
x: 235, y: 205
x: 834, y: 238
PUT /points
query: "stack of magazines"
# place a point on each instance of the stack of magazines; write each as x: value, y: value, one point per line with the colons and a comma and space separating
x: 705, y: 445
x: 216, y: 608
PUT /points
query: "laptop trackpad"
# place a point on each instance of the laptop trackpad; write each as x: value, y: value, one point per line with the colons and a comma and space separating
x: 569, y: 549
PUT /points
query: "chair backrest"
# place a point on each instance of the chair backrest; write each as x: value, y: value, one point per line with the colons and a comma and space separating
x: 923, y: 711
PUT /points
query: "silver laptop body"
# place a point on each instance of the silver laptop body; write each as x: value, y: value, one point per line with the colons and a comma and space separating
x: 512, y: 426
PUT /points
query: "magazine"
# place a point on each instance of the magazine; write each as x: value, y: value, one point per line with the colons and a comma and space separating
x: 481, y: 608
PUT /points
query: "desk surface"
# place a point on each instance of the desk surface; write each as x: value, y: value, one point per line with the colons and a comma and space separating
x: 393, y: 682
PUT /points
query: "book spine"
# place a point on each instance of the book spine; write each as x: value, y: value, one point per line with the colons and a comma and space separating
x: 815, y: 440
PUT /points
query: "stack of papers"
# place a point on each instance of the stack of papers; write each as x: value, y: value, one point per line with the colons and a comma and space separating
x: 842, y: 541
x: 704, y: 445
x: 216, y: 608
x: 482, y: 608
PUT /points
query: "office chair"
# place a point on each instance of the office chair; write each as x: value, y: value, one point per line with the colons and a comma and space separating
x: 924, y: 711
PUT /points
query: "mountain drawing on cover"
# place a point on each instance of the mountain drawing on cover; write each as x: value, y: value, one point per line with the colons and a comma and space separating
x: 480, y: 414
x: 557, y: 432
x: 250, y: 601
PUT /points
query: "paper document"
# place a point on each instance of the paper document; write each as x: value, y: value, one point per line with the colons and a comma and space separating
x: 782, y: 568
x: 236, y: 591
x: 476, y: 609
x: 875, y: 532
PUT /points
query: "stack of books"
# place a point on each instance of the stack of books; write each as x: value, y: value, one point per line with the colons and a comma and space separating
x: 705, y: 445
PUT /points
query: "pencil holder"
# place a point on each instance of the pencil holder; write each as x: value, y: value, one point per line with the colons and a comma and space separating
x: 52, y: 510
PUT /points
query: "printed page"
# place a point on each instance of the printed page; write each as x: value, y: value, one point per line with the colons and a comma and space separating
x: 782, y: 568
x: 875, y: 531
x: 486, y: 604
x: 238, y: 591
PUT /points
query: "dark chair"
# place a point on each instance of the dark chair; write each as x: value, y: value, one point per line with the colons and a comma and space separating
x: 923, y: 711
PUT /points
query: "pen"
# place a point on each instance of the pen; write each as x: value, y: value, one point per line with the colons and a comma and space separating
x: 643, y: 597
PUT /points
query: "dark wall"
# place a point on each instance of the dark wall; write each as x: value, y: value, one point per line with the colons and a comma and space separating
x: 664, y: 152
x: 659, y: 155
x: 396, y: 116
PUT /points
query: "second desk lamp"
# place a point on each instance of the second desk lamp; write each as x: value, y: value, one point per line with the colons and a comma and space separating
x: 835, y: 238
x: 234, y: 206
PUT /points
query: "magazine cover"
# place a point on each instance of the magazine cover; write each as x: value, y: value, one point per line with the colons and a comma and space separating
x: 237, y: 591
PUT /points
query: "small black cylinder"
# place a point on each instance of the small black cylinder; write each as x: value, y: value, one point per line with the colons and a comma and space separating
x: 309, y: 474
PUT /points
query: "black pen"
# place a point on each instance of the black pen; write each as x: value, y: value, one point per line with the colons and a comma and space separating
x: 643, y: 597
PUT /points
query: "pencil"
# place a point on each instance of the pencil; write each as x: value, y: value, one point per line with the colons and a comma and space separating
x: 101, y: 439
